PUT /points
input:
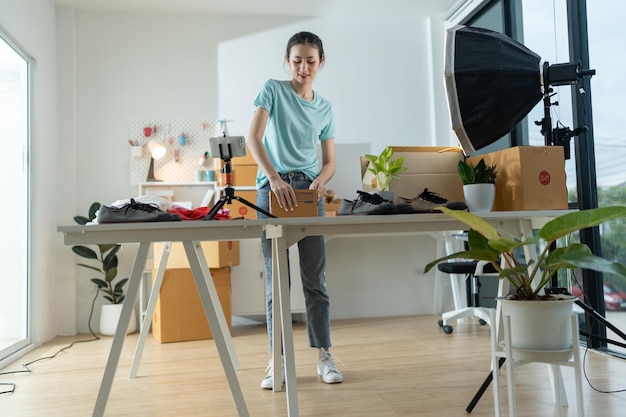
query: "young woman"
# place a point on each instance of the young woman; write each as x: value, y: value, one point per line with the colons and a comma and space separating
x: 289, y: 122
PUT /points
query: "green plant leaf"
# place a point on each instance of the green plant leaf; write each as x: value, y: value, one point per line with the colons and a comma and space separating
x: 93, y: 209
x: 473, y: 221
x: 100, y: 283
x: 119, y: 286
x: 85, y: 252
x: 110, y: 274
x: 573, y: 222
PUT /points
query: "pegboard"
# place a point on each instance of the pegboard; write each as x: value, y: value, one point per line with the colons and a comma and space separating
x: 181, y: 160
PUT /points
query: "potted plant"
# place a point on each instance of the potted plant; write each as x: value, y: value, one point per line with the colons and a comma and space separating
x: 104, y: 262
x: 529, y: 279
x: 385, y: 169
x: 479, y: 187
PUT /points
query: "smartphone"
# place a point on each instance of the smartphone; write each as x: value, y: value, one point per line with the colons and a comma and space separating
x: 227, y: 147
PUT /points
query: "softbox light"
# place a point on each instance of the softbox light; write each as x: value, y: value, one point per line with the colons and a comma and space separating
x: 492, y: 83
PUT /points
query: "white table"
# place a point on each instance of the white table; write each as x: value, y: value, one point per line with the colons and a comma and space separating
x: 190, y: 233
x: 288, y: 231
x: 284, y: 233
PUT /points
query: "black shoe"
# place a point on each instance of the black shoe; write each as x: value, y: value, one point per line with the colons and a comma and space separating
x: 427, y: 202
x: 134, y: 212
x: 367, y: 203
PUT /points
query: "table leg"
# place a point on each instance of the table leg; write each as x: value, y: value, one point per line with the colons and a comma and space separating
x: 120, y: 333
x: 280, y: 253
x: 145, y: 324
x: 217, y: 321
x: 277, y: 329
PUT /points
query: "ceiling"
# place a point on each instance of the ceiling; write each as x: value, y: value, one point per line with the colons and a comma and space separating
x: 318, y: 8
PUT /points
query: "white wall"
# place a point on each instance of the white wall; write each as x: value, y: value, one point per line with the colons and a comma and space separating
x: 31, y: 24
x: 114, y: 67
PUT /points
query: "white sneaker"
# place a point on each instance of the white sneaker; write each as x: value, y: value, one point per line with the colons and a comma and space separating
x: 326, y: 368
x: 268, y: 381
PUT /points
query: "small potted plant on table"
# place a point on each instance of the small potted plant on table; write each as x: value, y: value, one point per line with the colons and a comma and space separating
x: 479, y: 187
x: 385, y: 169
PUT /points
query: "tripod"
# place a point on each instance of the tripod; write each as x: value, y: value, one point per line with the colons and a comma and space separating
x: 229, y: 194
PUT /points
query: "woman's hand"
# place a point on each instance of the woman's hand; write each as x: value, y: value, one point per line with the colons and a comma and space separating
x: 319, y: 187
x: 285, y: 195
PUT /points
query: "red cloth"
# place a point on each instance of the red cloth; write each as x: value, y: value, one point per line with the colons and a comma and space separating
x: 197, y: 213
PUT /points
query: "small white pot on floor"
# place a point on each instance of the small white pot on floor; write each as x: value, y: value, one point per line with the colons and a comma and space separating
x: 110, y: 316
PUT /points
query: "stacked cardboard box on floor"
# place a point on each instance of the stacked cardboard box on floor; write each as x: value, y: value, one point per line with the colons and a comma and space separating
x: 179, y: 315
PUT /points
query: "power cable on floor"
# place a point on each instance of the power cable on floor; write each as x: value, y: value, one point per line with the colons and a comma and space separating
x: 25, y: 367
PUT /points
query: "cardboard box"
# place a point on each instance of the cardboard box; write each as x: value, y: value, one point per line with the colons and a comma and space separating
x: 244, y: 175
x: 238, y: 209
x: 331, y: 208
x: 528, y: 178
x: 178, y: 314
x: 218, y: 254
x: 432, y: 167
x: 307, y: 205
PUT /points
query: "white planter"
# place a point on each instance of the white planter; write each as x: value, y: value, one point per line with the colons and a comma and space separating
x: 479, y: 197
x: 540, y: 327
x: 110, y: 316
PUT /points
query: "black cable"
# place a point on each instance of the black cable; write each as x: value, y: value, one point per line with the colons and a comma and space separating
x: 592, y: 324
x: 25, y: 365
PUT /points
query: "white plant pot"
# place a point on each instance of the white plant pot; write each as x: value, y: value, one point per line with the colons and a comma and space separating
x: 110, y: 316
x: 540, y: 327
x: 479, y: 197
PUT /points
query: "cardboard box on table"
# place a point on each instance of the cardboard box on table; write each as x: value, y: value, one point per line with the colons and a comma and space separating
x: 307, y: 205
x: 432, y: 167
x: 528, y: 178
x: 178, y: 314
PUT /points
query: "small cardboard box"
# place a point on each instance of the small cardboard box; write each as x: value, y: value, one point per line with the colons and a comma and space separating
x: 307, y: 205
x: 239, y: 209
x: 528, y: 178
x: 331, y: 208
x: 178, y: 314
x: 432, y: 167
x: 244, y: 175
x: 218, y: 254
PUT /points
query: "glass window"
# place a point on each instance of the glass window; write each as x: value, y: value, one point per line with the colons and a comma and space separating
x: 14, y: 216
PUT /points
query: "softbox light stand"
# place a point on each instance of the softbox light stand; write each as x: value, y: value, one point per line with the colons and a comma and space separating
x: 492, y: 82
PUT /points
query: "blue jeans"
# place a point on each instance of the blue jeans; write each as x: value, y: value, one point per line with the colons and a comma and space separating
x: 312, y: 266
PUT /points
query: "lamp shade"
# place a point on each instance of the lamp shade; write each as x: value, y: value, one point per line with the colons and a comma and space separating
x: 157, y: 151
x: 492, y: 82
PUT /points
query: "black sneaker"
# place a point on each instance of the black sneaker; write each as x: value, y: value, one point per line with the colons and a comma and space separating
x: 134, y: 212
x: 427, y: 202
x: 367, y: 203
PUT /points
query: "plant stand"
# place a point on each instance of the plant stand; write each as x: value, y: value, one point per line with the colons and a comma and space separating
x: 555, y: 359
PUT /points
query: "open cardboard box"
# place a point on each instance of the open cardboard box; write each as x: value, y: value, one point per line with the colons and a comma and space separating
x: 432, y: 167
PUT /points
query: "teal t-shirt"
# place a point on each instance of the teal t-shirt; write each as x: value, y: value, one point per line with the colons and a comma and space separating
x: 293, y: 129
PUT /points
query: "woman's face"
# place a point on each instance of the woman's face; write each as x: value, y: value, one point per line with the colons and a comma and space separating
x: 304, y: 62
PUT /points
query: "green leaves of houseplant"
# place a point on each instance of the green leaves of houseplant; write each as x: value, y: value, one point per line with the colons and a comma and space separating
x: 481, y: 173
x: 528, y: 280
x: 104, y: 263
x: 384, y: 168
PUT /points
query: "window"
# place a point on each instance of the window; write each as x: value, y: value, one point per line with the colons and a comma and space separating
x: 14, y: 214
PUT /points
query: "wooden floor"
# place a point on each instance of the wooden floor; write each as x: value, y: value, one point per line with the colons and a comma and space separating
x: 401, y: 366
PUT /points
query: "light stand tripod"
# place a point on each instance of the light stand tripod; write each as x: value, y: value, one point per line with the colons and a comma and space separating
x: 229, y: 191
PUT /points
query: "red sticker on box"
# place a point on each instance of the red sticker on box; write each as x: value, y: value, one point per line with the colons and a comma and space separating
x: 544, y: 177
x: 243, y: 210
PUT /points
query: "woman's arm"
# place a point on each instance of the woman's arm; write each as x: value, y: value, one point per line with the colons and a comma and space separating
x: 328, y: 167
x: 285, y: 195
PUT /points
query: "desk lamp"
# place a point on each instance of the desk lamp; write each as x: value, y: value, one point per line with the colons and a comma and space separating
x: 157, y: 151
